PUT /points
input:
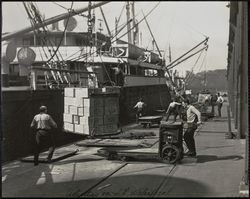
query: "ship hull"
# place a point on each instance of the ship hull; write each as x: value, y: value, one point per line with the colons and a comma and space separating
x: 156, y: 97
x: 20, y: 106
x: 18, y: 110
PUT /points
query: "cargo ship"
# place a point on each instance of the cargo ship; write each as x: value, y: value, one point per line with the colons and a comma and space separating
x: 30, y: 80
x: 140, y: 79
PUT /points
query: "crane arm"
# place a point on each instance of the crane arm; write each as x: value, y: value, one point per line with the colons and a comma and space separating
x: 51, y: 21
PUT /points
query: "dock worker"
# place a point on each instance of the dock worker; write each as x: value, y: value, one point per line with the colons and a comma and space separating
x: 119, y: 76
x: 213, y: 102
x: 43, y: 124
x: 219, y: 102
x: 174, y: 108
x: 140, y: 105
x: 193, y: 120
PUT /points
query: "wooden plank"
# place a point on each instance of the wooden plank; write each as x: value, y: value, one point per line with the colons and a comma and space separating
x: 151, y: 118
x: 119, y: 143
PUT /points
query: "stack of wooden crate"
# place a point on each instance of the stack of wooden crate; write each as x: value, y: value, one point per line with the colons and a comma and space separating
x: 91, y: 111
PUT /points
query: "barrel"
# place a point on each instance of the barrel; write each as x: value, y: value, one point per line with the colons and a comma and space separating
x: 71, y: 25
x: 26, y: 56
x: 9, y: 51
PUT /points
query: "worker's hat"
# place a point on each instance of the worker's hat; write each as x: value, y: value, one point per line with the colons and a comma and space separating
x: 43, y: 108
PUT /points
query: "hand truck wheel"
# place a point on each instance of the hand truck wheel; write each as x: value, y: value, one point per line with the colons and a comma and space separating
x: 170, y: 154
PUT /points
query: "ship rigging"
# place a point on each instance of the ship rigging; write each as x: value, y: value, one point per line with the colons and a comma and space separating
x: 58, y: 69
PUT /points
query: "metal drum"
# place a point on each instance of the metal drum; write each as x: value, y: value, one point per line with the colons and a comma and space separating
x: 26, y: 56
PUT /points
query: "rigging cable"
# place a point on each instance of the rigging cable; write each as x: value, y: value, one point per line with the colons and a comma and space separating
x: 59, y: 5
x: 106, y: 71
x: 122, y: 25
x: 204, y: 48
x: 191, y: 27
x: 205, y: 43
x: 193, y: 76
x: 45, y: 29
x: 36, y: 32
x: 75, y: 59
x: 139, y: 21
x: 63, y: 33
x: 196, y: 62
x: 201, y: 64
x: 37, y: 19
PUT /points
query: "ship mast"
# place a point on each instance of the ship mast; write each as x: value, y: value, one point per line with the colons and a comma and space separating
x: 154, y: 42
x: 128, y: 22
x: 133, y: 20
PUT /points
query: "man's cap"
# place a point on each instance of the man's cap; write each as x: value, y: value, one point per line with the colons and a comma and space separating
x: 43, y: 108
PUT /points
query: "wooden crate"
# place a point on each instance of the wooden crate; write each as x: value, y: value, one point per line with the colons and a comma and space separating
x: 111, y: 100
x: 89, y: 102
x: 73, y: 110
x: 80, y: 111
x: 86, y: 92
x: 69, y: 127
x: 66, y: 109
x: 110, y: 128
x: 69, y: 92
x: 76, y: 119
x: 97, y: 130
x: 91, y: 121
x: 111, y: 119
x: 82, y: 129
x: 67, y: 118
x: 93, y: 111
x: 82, y: 92
x: 95, y: 121
x: 111, y: 90
x: 111, y: 106
x: 111, y: 110
x: 70, y: 101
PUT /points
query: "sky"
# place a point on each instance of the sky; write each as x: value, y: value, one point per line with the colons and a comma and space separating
x: 178, y: 24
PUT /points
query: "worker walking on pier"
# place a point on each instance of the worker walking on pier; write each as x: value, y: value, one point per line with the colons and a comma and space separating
x: 193, y: 120
x: 219, y: 102
x: 43, y: 124
x: 140, y: 105
x: 213, y: 102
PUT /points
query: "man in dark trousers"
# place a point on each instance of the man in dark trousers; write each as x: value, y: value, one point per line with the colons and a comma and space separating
x: 174, y: 108
x: 43, y: 124
x: 119, y: 76
x: 193, y: 120
x: 219, y: 102
x: 213, y: 102
x: 140, y: 105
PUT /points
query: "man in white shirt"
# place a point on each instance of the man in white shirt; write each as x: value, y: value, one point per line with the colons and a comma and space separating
x: 219, y: 102
x: 174, y: 109
x: 43, y: 124
x: 140, y: 108
x: 193, y: 119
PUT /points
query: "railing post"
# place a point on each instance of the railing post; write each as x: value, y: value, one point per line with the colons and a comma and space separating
x: 229, y: 134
